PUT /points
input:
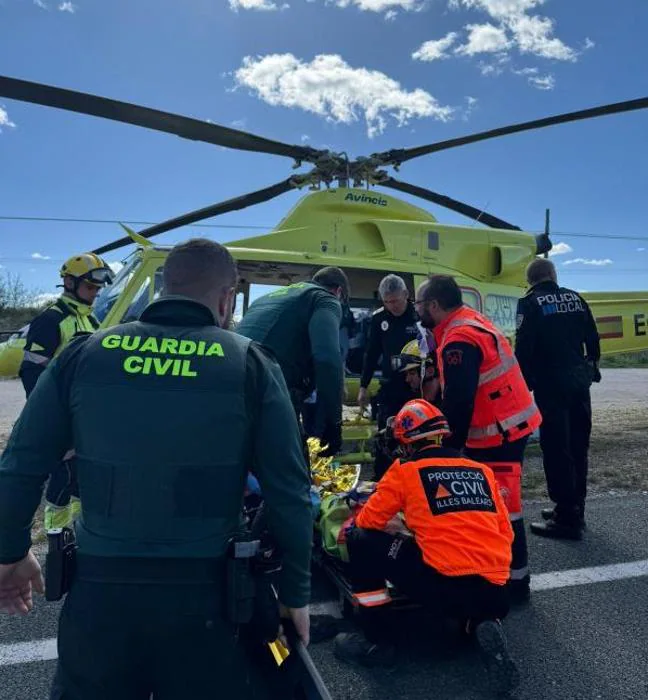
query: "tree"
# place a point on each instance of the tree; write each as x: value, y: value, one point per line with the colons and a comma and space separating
x: 13, y: 292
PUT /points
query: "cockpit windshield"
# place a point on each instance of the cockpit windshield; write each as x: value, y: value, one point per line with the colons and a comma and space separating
x: 110, y: 293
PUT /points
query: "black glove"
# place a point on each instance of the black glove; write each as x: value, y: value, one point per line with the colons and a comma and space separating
x: 332, y: 437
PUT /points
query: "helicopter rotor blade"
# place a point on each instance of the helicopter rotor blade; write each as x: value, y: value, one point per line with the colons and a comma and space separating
x: 241, y: 202
x: 398, y: 156
x: 185, y: 127
x: 449, y: 203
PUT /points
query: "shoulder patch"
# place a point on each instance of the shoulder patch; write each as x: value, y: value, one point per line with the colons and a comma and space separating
x: 454, y: 356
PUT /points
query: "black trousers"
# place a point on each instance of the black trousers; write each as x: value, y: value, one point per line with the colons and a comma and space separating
x: 389, y: 400
x: 510, y: 452
x: 564, y: 439
x: 138, y: 640
x: 376, y: 556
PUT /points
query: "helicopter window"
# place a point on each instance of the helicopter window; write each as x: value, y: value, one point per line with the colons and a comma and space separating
x: 433, y: 240
x: 501, y: 311
x: 471, y: 298
x: 139, y: 303
x: 110, y: 293
x: 157, y: 284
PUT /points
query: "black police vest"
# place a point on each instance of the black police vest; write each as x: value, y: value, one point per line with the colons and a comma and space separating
x: 162, y: 431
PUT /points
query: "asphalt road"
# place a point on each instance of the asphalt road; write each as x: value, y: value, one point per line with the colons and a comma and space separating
x: 579, y: 638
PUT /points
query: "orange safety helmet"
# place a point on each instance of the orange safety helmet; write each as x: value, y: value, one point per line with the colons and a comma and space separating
x: 418, y: 420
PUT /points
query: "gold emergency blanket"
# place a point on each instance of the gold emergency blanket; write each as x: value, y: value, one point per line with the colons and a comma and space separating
x: 329, y: 476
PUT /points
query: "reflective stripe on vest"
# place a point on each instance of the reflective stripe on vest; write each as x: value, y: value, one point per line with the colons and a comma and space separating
x: 372, y: 599
x: 34, y: 357
x: 506, y: 424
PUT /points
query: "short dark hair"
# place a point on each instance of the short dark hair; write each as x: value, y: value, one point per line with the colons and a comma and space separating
x: 541, y: 270
x: 331, y: 278
x: 197, y: 267
x: 444, y: 290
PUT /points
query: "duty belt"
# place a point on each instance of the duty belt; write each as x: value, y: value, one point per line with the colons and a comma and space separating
x: 147, y: 570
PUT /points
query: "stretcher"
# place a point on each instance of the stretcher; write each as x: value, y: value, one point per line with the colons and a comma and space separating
x: 339, y: 498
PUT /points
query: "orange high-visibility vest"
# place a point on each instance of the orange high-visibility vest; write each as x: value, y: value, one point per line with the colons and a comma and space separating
x: 504, y: 408
x: 454, y: 507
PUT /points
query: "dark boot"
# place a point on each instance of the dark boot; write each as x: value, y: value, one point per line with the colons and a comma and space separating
x: 519, y: 590
x: 557, y: 530
x: 549, y: 513
x: 503, y: 675
x: 354, y: 647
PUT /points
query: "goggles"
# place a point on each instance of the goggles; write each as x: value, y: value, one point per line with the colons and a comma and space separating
x: 99, y: 277
x: 400, y: 363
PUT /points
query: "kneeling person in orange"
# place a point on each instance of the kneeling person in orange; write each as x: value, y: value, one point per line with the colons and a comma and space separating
x: 458, y: 561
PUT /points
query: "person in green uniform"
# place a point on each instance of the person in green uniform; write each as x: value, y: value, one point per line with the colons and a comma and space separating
x: 168, y: 414
x: 83, y: 276
x: 300, y: 325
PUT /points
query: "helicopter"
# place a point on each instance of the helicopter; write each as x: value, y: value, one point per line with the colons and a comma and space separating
x: 343, y: 221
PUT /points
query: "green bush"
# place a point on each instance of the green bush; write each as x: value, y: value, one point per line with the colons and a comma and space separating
x: 630, y: 359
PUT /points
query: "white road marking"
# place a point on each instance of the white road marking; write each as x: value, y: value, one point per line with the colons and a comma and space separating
x: 25, y: 652
x: 45, y: 649
x: 592, y: 574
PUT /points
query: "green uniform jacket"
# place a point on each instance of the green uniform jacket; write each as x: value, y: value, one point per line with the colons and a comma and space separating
x: 50, y: 332
x: 300, y: 325
x: 167, y: 415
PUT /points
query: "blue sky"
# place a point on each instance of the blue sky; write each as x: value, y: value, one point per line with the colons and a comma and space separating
x: 354, y: 75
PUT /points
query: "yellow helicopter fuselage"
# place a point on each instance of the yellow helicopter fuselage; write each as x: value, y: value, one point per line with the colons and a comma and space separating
x: 370, y: 235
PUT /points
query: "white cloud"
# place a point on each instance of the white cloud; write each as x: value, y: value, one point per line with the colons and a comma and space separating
x: 499, y: 9
x: 640, y: 250
x: 435, y: 49
x: 383, y: 5
x: 561, y: 249
x: 489, y: 69
x: 238, y: 123
x: 543, y: 82
x: 531, y: 34
x: 484, y: 38
x: 265, y: 5
x: 589, y: 261
x: 390, y: 15
x: 40, y: 256
x: 41, y: 4
x: 304, y: 138
x: 589, y: 44
x: 331, y: 88
x: 471, y: 102
x: 4, y: 120
x: 67, y: 7
x: 526, y: 71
